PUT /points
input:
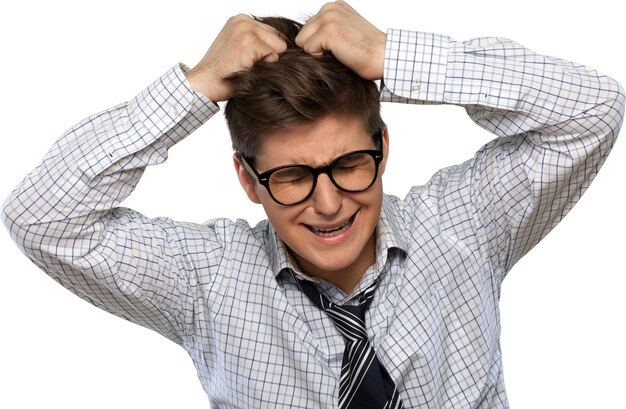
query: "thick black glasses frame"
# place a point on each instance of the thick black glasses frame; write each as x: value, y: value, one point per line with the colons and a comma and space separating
x: 264, y: 178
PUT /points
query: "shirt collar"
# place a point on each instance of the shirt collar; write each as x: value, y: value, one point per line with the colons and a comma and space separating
x: 389, y: 236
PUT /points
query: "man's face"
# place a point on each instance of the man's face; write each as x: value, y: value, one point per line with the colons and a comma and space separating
x: 339, y: 255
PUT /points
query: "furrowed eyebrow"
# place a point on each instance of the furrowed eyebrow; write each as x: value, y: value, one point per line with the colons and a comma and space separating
x: 293, y: 170
x: 327, y: 163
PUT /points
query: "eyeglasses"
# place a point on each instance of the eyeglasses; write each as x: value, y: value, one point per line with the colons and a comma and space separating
x: 352, y: 172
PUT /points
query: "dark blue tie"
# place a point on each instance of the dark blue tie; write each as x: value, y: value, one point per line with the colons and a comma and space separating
x: 364, y: 382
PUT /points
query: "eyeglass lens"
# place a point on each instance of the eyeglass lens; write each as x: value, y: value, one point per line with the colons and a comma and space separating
x: 353, y: 172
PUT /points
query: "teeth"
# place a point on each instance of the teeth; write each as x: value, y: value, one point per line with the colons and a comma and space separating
x: 334, y: 231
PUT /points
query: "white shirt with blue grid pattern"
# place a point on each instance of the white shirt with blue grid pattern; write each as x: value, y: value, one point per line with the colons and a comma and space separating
x: 223, y: 291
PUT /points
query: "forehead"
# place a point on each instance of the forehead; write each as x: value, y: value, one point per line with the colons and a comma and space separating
x: 313, y: 144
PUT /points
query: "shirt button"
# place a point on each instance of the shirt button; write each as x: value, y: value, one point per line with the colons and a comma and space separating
x: 416, y: 87
x: 172, y: 110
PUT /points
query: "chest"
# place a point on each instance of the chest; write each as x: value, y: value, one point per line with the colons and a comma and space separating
x: 433, y: 319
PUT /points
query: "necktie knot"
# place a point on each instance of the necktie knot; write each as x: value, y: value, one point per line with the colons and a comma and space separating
x: 349, y: 320
x: 364, y: 381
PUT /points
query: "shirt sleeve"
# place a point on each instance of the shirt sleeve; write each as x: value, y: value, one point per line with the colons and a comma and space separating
x: 65, y: 217
x: 556, y: 122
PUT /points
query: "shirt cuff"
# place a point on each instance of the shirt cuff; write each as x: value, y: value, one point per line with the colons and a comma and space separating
x: 415, y: 66
x: 170, y: 107
x: 163, y: 114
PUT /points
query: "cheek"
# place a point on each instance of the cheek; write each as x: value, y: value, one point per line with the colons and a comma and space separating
x: 281, y: 217
x: 372, y: 197
x: 371, y: 203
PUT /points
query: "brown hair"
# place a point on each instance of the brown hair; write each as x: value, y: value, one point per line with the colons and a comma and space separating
x: 297, y: 89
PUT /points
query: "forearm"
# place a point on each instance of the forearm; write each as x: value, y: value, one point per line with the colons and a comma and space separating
x: 64, y: 214
x: 556, y: 122
x: 493, y: 77
x: 96, y: 164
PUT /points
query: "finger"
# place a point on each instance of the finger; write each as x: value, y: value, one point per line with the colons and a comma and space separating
x: 246, y: 27
x: 271, y: 57
x: 314, y: 23
x: 316, y: 44
x: 306, y: 31
x: 262, y: 52
x: 325, y: 22
x: 270, y: 37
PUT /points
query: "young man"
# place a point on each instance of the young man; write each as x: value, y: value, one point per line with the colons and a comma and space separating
x: 236, y: 297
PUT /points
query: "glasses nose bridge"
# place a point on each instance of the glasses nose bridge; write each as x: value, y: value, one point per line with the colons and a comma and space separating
x: 328, y: 170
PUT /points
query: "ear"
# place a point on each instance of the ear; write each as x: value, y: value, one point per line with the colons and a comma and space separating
x: 383, y: 163
x: 246, y: 180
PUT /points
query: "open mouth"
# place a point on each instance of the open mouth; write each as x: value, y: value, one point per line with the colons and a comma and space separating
x: 333, y: 231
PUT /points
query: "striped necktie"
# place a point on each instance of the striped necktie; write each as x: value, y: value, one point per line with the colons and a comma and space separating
x: 364, y: 382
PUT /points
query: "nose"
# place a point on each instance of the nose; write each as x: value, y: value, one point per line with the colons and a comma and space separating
x: 326, y: 197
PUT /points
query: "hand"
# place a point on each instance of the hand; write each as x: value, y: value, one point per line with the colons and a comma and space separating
x: 354, y: 41
x: 242, y: 42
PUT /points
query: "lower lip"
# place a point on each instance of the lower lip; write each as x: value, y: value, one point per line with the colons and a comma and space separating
x: 339, y: 238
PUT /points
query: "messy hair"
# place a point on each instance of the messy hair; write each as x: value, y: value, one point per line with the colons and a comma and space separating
x: 296, y: 90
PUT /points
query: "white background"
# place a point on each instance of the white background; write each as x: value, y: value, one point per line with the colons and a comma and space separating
x: 562, y: 306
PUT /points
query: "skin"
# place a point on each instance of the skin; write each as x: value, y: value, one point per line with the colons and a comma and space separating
x: 337, y: 28
x: 340, y: 259
x: 360, y: 46
x: 354, y: 41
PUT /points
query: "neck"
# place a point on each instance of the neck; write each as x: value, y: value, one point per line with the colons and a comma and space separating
x: 347, y: 278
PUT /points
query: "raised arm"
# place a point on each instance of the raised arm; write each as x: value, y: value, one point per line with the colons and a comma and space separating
x: 64, y: 214
x: 556, y: 122
x: 65, y: 217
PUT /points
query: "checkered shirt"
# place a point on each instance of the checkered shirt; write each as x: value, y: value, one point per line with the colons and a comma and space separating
x: 224, y: 291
